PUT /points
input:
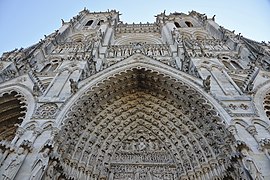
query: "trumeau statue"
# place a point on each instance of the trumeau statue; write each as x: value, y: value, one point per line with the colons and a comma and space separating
x: 173, y: 99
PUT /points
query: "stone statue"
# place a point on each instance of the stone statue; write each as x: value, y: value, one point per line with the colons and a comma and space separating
x: 133, y: 145
x: 151, y: 145
x: 137, y: 174
x: 14, y: 165
x: 213, y: 18
x: 141, y: 145
x: 206, y: 83
x: 36, y: 89
x: 111, y: 175
x: 250, y: 86
x: 92, y: 66
x: 73, y: 86
x: 50, y: 171
x: 40, y: 164
x: 250, y: 166
x: 175, y: 35
x: 149, y: 176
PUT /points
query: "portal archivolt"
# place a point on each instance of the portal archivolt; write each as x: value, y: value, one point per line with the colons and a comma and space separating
x: 142, y: 125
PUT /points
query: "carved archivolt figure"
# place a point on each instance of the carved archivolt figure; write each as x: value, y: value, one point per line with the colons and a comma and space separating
x: 141, y: 144
x: 40, y: 164
x: 13, y: 165
x: 50, y: 172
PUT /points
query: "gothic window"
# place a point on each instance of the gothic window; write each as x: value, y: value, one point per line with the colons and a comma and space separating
x: 78, y: 40
x: 236, y: 65
x: 50, y: 67
x: 177, y: 24
x: 228, y: 65
x: 46, y: 68
x: 100, y: 22
x: 266, y: 105
x: 12, y: 111
x: 189, y: 24
x: 89, y: 23
x: 199, y: 38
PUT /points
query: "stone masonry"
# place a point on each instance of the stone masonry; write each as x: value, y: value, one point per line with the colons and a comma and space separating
x: 100, y: 99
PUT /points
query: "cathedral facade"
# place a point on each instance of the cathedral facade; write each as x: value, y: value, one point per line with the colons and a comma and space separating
x: 99, y: 99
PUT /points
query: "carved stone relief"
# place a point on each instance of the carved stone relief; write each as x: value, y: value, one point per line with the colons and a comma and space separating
x: 140, y: 121
x: 46, y: 111
x: 136, y: 132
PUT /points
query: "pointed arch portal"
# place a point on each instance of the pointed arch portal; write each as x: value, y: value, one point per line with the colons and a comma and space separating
x: 140, y: 124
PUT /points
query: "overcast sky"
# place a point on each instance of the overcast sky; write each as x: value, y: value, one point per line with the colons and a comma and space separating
x: 25, y: 22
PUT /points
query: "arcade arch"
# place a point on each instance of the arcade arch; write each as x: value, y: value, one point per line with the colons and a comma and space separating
x: 141, y: 124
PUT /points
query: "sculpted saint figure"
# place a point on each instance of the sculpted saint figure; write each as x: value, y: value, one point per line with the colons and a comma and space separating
x: 13, y: 165
x: 40, y: 164
x: 36, y: 90
x: 50, y: 171
x: 73, y: 86
x: 251, y: 167
x: 175, y: 35
x: 206, y: 83
x: 141, y: 145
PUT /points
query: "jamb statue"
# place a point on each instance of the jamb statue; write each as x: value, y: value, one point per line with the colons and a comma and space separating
x: 14, y: 165
x: 40, y: 164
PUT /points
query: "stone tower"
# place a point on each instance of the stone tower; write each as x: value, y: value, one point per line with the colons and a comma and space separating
x: 180, y: 98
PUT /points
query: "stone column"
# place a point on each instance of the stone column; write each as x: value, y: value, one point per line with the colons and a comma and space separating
x: 35, y: 134
x: 20, y: 131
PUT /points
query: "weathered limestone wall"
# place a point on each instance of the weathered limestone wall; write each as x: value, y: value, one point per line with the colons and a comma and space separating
x: 178, y: 98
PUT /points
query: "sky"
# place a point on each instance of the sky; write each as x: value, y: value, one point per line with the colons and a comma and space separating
x: 24, y: 22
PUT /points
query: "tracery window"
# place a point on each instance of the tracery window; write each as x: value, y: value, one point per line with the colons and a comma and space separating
x: 177, y: 24
x: 230, y: 64
x: 100, y: 22
x: 89, y: 23
x: 189, y: 24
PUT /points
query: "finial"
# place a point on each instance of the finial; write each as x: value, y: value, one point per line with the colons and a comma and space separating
x: 213, y: 18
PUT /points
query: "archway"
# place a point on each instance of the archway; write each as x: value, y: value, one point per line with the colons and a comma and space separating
x: 140, y: 124
x: 12, y: 112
